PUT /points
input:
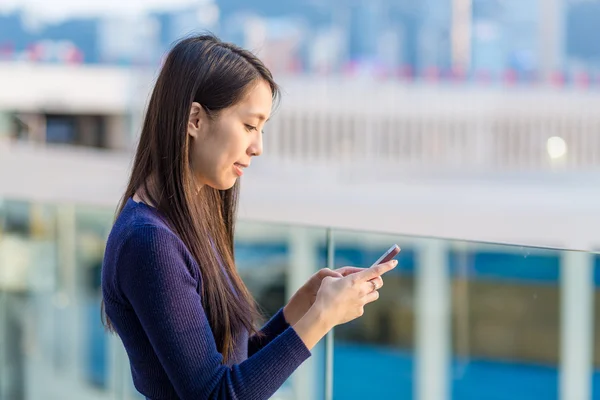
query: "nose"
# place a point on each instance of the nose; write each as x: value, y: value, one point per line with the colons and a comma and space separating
x: 256, y: 147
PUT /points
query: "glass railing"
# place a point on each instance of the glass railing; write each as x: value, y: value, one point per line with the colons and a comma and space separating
x: 456, y: 320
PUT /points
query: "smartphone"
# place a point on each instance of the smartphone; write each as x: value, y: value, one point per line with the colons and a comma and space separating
x: 388, y: 255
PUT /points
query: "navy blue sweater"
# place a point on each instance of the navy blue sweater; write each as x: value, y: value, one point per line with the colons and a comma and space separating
x: 151, y: 289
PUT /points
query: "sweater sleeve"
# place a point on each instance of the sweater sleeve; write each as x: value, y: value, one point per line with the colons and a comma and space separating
x: 154, y: 277
x: 275, y: 326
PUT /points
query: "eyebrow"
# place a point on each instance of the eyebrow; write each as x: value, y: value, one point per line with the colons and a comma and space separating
x: 260, y: 116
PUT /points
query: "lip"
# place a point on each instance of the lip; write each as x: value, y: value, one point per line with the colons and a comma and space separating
x: 239, y: 168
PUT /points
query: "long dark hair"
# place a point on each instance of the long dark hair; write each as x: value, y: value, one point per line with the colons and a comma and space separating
x: 215, y: 74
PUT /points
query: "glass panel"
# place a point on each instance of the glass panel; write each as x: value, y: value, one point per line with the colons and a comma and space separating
x: 274, y: 261
x: 373, y: 355
x: 459, y: 320
x: 53, y: 343
x: 52, y: 340
x: 92, y: 226
x: 505, y: 321
x: 28, y: 284
x: 455, y: 320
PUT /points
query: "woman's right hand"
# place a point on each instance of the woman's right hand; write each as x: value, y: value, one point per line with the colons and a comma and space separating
x: 341, y: 300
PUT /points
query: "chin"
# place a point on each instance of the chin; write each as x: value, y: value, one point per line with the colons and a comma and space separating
x: 223, y: 185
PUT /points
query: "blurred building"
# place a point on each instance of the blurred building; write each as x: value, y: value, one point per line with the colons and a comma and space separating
x: 478, y: 40
x: 581, y: 19
x: 129, y: 40
x: 506, y: 36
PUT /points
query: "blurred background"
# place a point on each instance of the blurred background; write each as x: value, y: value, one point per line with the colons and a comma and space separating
x: 466, y: 131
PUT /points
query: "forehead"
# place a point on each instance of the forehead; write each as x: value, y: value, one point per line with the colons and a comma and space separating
x: 258, y: 100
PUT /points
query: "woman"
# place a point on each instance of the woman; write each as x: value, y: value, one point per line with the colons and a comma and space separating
x: 169, y: 283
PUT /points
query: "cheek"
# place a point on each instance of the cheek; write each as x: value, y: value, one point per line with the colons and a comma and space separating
x: 201, y: 159
x: 217, y: 159
x: 231, y: 148
x: 218, y: 153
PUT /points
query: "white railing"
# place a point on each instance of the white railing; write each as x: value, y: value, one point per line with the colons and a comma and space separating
x: 495, y: 207
x: 499, y: 142
x: 435, y: 127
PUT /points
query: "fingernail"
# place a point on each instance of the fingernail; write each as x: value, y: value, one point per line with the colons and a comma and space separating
x: 395, y: 262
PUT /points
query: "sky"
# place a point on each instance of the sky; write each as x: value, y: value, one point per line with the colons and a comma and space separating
x: 58, y: 10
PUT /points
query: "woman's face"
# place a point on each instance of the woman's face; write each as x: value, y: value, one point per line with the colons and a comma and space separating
x: 220, y: 149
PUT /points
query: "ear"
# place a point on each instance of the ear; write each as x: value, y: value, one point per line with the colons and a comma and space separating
x: 197, y: 118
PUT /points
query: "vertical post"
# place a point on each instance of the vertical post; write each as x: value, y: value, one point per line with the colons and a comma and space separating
x: 67, y: 326
x: 462, y: 314
x: 551, y: 34
x: 117, y: 370
x: 3, y: 322
x: 576, y: 325
x: 3, y: 363
x: 433, y: 322
x: 462, y: 11
x: 329, y: 337
x: 303, y: 259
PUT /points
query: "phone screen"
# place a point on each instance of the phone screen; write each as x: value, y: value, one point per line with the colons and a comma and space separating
x: 388, y: 255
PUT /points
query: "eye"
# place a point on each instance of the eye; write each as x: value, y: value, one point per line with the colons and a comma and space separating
x: 250, y: 128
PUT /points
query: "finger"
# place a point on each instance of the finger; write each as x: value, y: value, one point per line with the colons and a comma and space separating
x: 371, y: 297
x: 345, y: 271
x: 328, y: 279
x: 378, y: 282
x: 368, y: 287
x: 328, y: 272
x: 376, y: 270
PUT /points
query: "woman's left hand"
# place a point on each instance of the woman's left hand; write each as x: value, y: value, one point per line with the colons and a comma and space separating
x: 304, y: 298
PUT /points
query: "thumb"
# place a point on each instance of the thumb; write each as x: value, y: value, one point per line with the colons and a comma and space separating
x: 345, y: 271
